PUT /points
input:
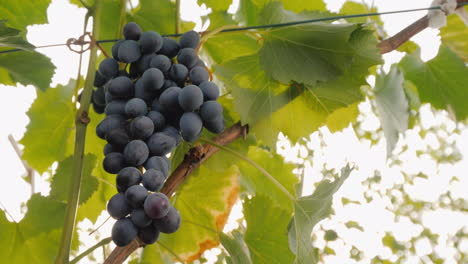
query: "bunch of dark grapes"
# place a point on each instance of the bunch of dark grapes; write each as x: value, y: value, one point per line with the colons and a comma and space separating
x: 164, y: 97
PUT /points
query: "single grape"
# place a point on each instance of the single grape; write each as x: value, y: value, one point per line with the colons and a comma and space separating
x: 136, y: 152
x: 127, y: 177
x: 150, y: 42
x: 118, y: 207
x: 211, y: 110
x: 169, y: 98
x: 139, y: 218
x: 109, y: 123
x: 170, y: 47
x: 109, y: 68
x: 116, y: 107
x: 99, y: 96
x: 200, y: 63
x: 158, y: 119
x: 190, y: 126
x: 169, y: 223
x: 114, y: 162
x: 108, y: 148
x: 210, y: 90
x: 188, y: 57
x: 148, y: 234
x: 118, y: 137
x: 123, y: 232
x: 174, y: 133
x: 153, y: 79
x: 159, y: 163
x: 189, y: 39
x: 135, y: 107
x: 144, y: 63
x: 115, y: 49
x: 108, y: 96
x: 129, y: 51
x: 160, y: 144
x: 141, y: 127
x: 132, y: 31
x: 215, y: 126
x: 142, y: 93
x: 190, y: 98
x: 99, y: 79
x: 178, y: 73
x: 121, y: 87
x: 153, y: 180
x: 161, y: 62
x: 156, y: 205
x: 198, y: 75
x: 99, y: 109
x: 136, y: 195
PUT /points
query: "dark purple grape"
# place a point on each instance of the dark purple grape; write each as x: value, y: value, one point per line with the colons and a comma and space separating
x: 189, y: 39
x: 108, y: 148
x: 160, y: 144
x: 190, y: 126
x: 123, y: 232
x: 150, y: 42
x: 139, y: 218
x: 210, y: 111
x: 129, y: 51
x: 99, y: 109
x: 144, y: 94
x: 153, y: 180
x: 136, y: 195
x: 160, y: 163
x: 174, y: 133
x: 161, y: 62
x: 116, y: 107
x: 216, y: 126
x: 136, y: 152
x: 210, y: 90
x: 200, y: 63
x: 190, y: 98
x: 115, y: 49
x: 109, y: 123
x: 141, y: 127
x: 149, y: 234
x: 188, y: 57
x: 99, y: 79
x: 169, y: 223
x: 135, y: 107
x: 132, y: 31
x: 114, y: 162
x: 99, y: 96
x: 156, y: 205
x: 159, y: 121
x: 198, y: 75
x: 153, y: 79
x: 144, y: 63
x: 118, y: 207
x: 109, y: 68
x: 169, y: 98
x: 118, y: 137
x: 127, y: 177
x: 170, y: 47
x: 121, y: 87
x: 178, y: 73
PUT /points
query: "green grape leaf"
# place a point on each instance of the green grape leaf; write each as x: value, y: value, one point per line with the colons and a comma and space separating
x: 109, y: 28
x: 228, y: 46
x: 61, y: 179
x: 353, y: 8
x: 9, y: 37
x: 204, y: 201
x: 255, y: 182
x: 51, y: 124
x: 21, y: 14
x: 216, y: 4
x: 454, y: 36
x: 266, y: 234
x: 441, y: 81
x: 155, y: 254
x: 392, y: 105
x: 308, y: 211
x: 236, y: 247
x: 27, y: 68
x: 297, y: 5
x: 247, y: 13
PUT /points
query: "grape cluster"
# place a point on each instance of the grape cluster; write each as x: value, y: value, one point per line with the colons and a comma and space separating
x: 165, y: 96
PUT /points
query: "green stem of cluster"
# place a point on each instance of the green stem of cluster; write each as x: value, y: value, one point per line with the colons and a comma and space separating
x: 81, y: 122
x: 253, y: 163
x: 101, y: 243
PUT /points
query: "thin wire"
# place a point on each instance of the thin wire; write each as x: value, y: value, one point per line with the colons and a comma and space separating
x: 287, y: 24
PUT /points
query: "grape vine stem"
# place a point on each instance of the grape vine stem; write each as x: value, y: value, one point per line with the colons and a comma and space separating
x: 198, y: 154
x: 81, y: 122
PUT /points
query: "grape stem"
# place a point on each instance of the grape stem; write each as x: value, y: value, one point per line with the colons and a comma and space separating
x: 81, y: 122
x: 101, y: 243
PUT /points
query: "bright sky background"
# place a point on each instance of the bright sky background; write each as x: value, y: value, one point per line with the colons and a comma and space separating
x: 65, y: 21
